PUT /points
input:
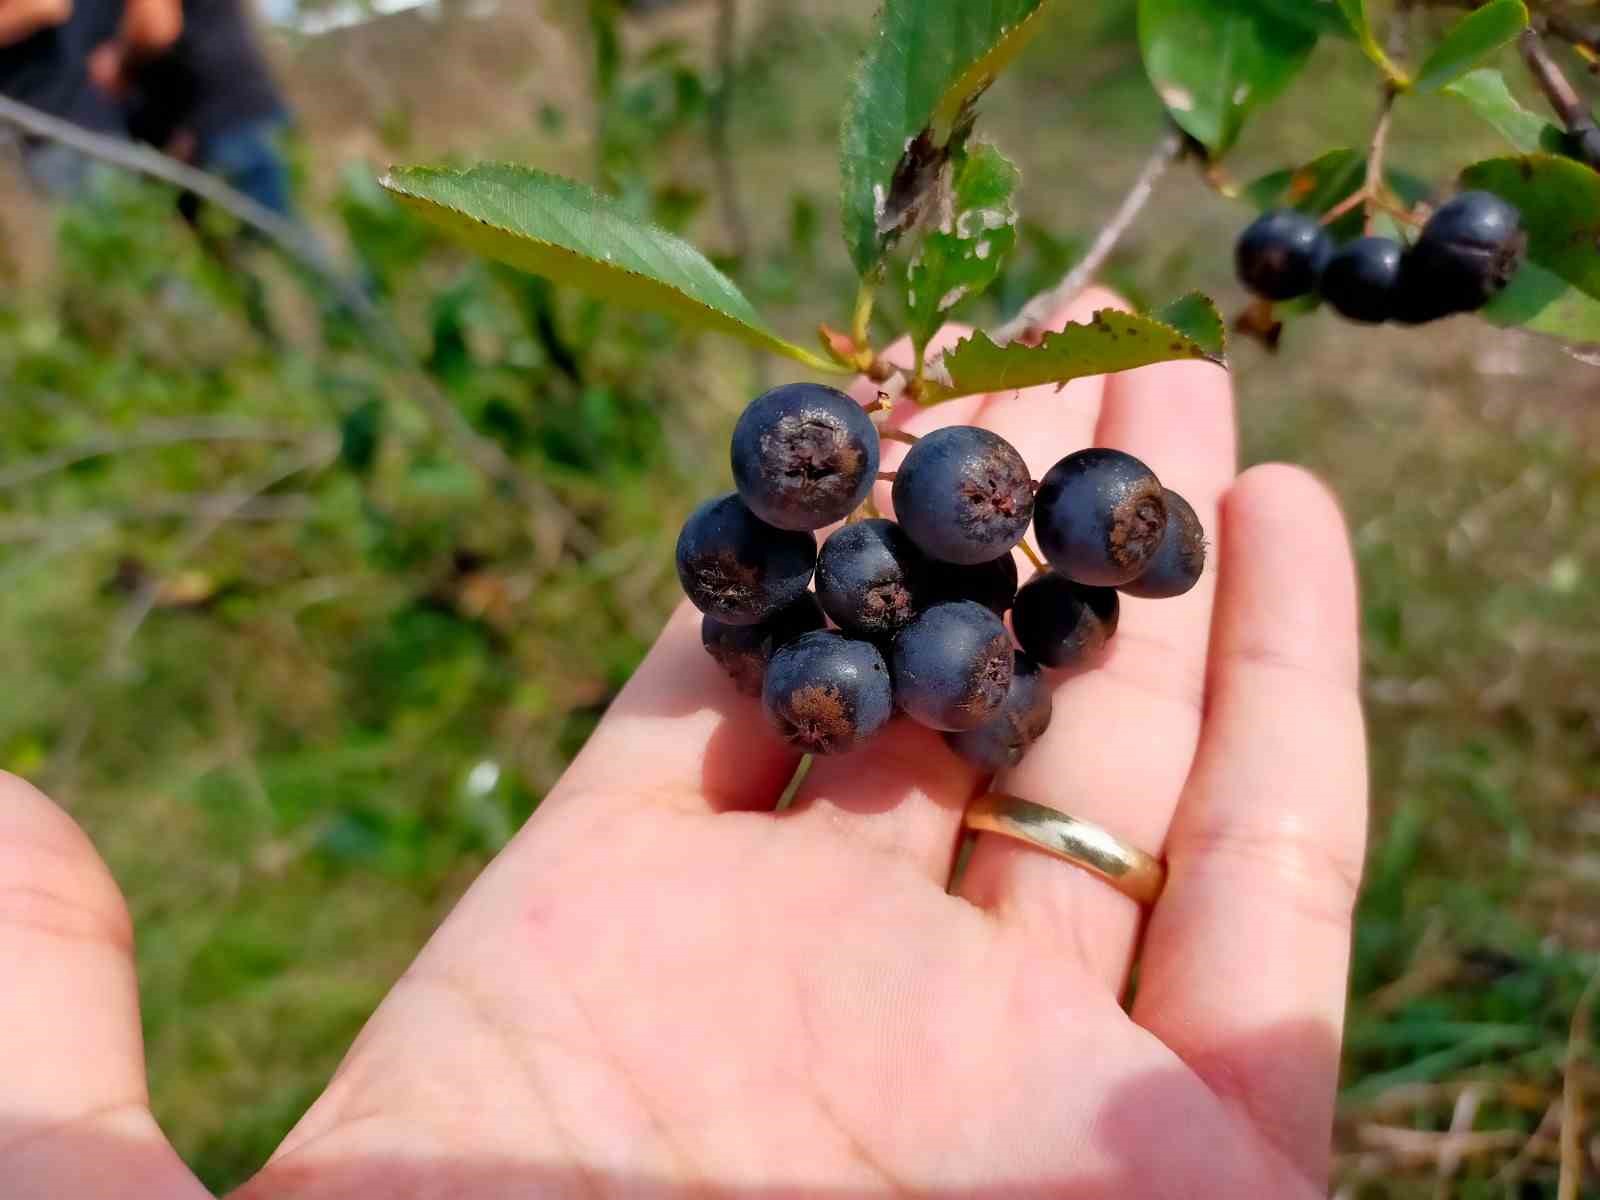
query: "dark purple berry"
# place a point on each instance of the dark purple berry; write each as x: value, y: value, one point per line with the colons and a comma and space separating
x: 743, y: 651
x: 952, y: 666
x: 737, y: 568
x: 1003, y: 740
x: 871, y: 578
x: 964, y: 495
x: 1465, y: 255
x: 1180, y: 558
x: 1362, y: 279
x: 1100, y: 517
x: 1582, y: 142
x: 804, y: 456
x: 1281, y: 254
x: 827, y: 693
x: 1061, y: 623
x: 992, y: 584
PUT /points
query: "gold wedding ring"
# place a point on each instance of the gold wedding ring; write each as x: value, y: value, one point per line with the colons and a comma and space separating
x: 1132, y: 872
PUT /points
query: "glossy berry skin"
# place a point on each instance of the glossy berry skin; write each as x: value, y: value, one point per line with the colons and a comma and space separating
x: 1466, y: 254
x: 737, y: 568
x: 1003, y: 740
x: 743, y: 651
x: 992, y: 584
x: 1063, y: 624
x: 1361, y: 281
x: 952, y: 666
x: 826, y: 693
x: 871, y: 578
x: 1179, y: 560
x: 804, y: 456
x: 1100, y: 517
x: 964, y: 495
x: 1281, y: 254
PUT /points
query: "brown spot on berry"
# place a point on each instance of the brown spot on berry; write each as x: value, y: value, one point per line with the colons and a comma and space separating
x: 1138, y: 521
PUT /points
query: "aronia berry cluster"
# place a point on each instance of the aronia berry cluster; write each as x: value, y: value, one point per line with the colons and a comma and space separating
x: 908, y: 615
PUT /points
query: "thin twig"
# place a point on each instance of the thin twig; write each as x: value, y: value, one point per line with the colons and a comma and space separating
x: 898, y: 435
x: 1372, y: 189
x: 146, y: 436
x: 719, y: 112
x: 1547, y: 73
x: 1032, y: 556
x: 1037, y: 311
x: 1572, y: 1115
x: 300, y: 244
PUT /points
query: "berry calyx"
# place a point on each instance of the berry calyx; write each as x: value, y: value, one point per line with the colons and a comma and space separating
x: 1281, y: 254
x: 952, y: 666
x: 1100, y: 517
x: 871, y: 578
x: 1061, y: 623
x: 1005, y: 738
x: 826, y: 693
x: 744, y: 651
x: 1179, y: 560
x: 737, y: 568
x: 1361, y: 280
x: 804, y: 456
x: 964, y: 495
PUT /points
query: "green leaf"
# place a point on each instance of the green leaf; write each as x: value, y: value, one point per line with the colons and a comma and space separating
x: 1542, y: 302
x: 1486, y: 93
x: 910, y: 108
x: 962, y: 257
x: 1197, y: 318
x: 1213, y: 62
x: 1319, y: 16
x: 1560, y: 204
x: 1474, y: 37
x: 1110, y: 341
x: 570, y: 234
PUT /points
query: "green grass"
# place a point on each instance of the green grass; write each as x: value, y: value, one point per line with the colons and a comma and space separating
x: 341, y: 710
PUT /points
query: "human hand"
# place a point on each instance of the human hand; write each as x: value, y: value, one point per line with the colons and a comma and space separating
x: 663, y: 989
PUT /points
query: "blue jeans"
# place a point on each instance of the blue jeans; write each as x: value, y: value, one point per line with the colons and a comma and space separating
x: 248, y: 157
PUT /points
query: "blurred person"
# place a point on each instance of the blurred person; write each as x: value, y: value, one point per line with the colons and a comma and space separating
x: 45, y: 51
x: 210, y: 100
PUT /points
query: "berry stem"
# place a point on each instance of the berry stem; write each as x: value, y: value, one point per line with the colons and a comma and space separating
x: 1032, y: 556
x: 886, y: 476
x: 1372, y: 189
x: 801, y: 770
x: 898, y: 435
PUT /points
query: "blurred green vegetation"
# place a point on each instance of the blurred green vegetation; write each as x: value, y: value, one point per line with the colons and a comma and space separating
x: 361, y: 665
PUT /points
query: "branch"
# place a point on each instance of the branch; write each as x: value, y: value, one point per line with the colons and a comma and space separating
x: 717, y: 116
x: 1037, y: 311
x: 150, y: 434
x: 1563, y: 97
x: 1373, y: 188
x: 553, y: 525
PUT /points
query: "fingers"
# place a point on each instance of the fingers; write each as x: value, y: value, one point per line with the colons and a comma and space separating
x: 1123, y: 734
x: 680, y: 735
x: 74, y: 1119
x: 1253, y: 931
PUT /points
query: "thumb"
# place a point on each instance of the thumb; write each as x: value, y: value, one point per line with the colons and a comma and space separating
x: 74, y: 1112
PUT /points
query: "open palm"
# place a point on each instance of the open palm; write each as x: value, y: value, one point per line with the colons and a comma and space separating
x: 664, y: 989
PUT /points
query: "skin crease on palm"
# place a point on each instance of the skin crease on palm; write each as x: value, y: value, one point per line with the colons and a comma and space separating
x: 663, y: 989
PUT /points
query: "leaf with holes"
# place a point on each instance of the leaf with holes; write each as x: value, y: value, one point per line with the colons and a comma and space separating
x: 1560, y: 204
x: 1473, y: 38
x: 910, y: 108
x: 963, y: 255
x: 568, y: 233
x: 1213, y: 62
x: 1110, y: 341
